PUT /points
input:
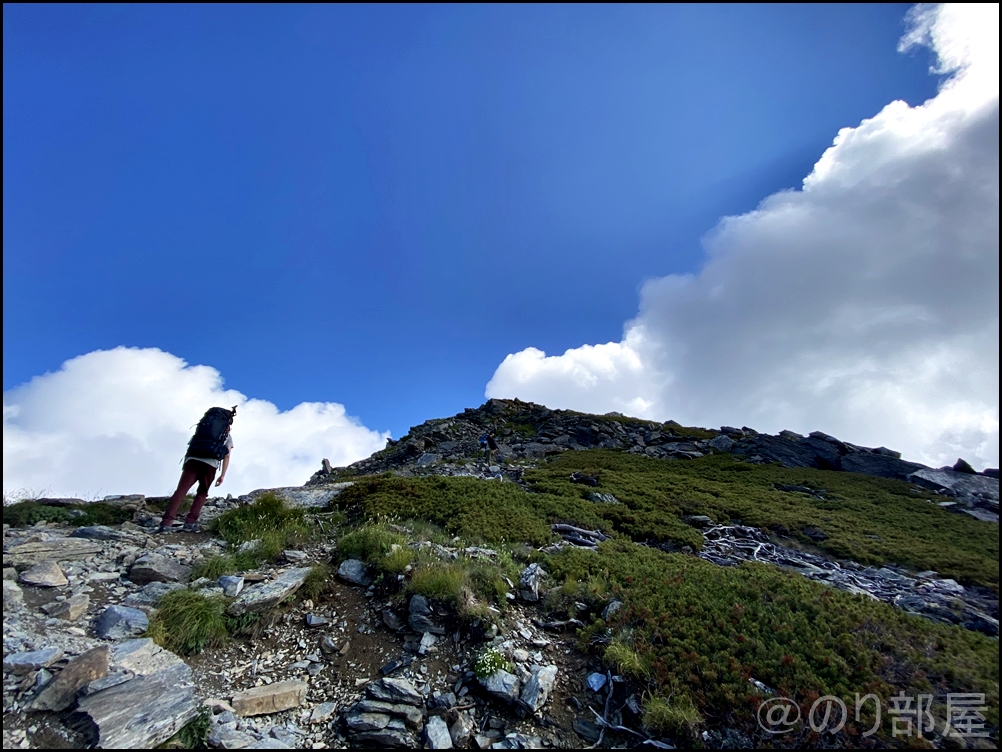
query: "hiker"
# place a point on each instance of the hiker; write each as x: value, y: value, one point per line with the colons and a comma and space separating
x: 488, y: 444
x: 210, y: 445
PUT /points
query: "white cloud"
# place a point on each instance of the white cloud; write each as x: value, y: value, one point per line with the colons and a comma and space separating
x: 118, y: 421
x: 864, y: 304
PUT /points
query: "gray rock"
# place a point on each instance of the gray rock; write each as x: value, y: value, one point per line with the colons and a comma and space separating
x: 613, y: 606
x: 419, y: 616
x: 502, y: 686
x: 268, y: 594
x: 386, y: 737
x: 700, y: 521
x: 359, y: 720
x: 294, y: 557
x: 354, y: 572
x: 392, y: 620
x: 100, y: 532
x: 44, y: 574
x: 232, y: 585
x: 595, y: 681
x: 462, y: 730
x: 322, y: 712
x: 57, y: 549
x: 537, y: 690
x: 221, y: 737
x: 149, y: 596
x: 437, y: 733
x: 879, y: 465
x: 722, y: 443
x: 529, y: 582
x: 156, y: 568
x: 303, y: 496
x: 24, y: 663
x: 393, y: 690
x: 412, y: 716
x: 70, y: 610
x: 13, y: 598
x: 149, y: 708
x: 315, y: 620
x: 120, y: 622
x: 60, y: 693
x: 603, y: 498
x: 963, y: 466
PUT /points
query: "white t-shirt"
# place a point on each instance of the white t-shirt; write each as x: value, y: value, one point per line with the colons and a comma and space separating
x: 208, y: 461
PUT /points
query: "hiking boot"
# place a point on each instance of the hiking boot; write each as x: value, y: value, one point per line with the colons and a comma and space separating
x: 191, y: 527
x: 165, y: 529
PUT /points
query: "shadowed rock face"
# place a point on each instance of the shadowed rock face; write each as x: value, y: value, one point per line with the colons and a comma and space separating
x: 524, y: 430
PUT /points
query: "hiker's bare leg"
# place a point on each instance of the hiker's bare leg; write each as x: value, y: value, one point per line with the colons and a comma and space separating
x: 188, y: 478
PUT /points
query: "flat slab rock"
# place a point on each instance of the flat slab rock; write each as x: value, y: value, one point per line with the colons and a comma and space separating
x: 56, y: 549
x: 267, y: 594
x: 44, y: 574
x: 271, y: 698
x: 148, y: 708
x: 119, y: 622
x: 60, y: 693
x: 308, y: 496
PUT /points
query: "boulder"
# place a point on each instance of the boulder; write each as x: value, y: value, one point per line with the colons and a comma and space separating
x: 502, y: 686
x: 355, y: 572
x: 120, y: 622
x: 437, y: 733
x: 44, y: 574
x: 963, y: 466
x: 722, y: 443
x: 359, y: 720
x: 419, y: 616
x: 412, y: 716
x: 148, y: 708
x: 603, y: 498
x: 462, y: 730
x: 270, y: 698
x: 60, y: 693
x: 156, y: 568
x: 879, y: 465
x: 267, y: 594
x: 537, y: 689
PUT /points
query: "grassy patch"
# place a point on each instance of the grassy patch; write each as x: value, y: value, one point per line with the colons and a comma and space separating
x: 216, y: 566
x: 693, y: 629
x: 269, y: 521
x: 870, y: 520
x: 317, y: 582
x: 675, y: 715
x: 187, y: 622
x: 27, y: 513
x: 371, y: 544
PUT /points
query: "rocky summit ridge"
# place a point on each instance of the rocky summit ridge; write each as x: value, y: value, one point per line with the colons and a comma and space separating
x: 333, y: 643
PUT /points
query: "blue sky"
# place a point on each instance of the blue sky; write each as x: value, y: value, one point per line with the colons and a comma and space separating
x: 375, y: 205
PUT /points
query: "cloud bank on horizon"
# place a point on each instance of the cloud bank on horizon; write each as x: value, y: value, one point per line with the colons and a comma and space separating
x: 118, y: 421
x: 864, y: 304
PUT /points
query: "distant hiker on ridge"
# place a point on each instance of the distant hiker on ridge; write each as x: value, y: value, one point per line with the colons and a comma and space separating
x: 488, y: 444
x: 210, y: 445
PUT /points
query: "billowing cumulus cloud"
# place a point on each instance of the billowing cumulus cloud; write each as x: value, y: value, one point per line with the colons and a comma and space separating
x: 118, y: 421
x: 864, y: 304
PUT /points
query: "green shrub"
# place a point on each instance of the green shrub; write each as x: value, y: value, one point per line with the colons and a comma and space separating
x: 443, y: 581
x: 187, y: 622
x: 27, y: 513
x: 216, y: 566
x: 371, y: 544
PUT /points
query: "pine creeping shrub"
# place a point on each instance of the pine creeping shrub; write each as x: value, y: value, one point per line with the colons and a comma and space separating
x: 489, y: 661
x: 187, y: 622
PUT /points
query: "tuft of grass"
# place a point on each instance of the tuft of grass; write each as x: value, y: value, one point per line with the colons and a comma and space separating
x: 674, y: 716
x: 627, y: 660
x: 397, y: 560
x: 317, y: 582
x: 269, y: 521
x: 27, y: 513
x: 216, y: 566
x: 371, y: 544
x: 444, y: 581
x: 187, y: 622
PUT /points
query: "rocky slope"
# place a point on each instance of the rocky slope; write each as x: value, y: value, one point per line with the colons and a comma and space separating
x: 366, y: 664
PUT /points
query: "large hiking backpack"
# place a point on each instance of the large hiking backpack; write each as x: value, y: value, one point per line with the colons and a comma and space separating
x: 209, y: 441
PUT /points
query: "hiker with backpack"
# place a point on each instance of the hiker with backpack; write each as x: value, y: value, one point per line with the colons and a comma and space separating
x: 210, y: 446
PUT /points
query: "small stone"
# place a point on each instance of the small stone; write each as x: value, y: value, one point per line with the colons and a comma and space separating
x: 222, y: 737
x: 232, y: 585
x: 44, y: 574
x: 120, y: 622
x: 13, y: 597
x: 267, y: 594
x: 529, y: 582
x: 327, y: 645
x: 392, y: 620
x: 395, y: 690
x: 156, y: 568
x: 595, y: 681
x: 272, y: 698
x: 537, y: 689
x: 354, y: 572
x: 613, y: 606
x: 437, y: 733
x: 294, y: 557
x: 70, y: 610
x: 149, y: 595
x: 315, y: 620
x: 461, y: 730
x: 502, y: 685
x: 322, y: 712
x: 420, y: 616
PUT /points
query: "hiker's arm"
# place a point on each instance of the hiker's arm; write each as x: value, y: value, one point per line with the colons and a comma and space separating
x: 226, y: 464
